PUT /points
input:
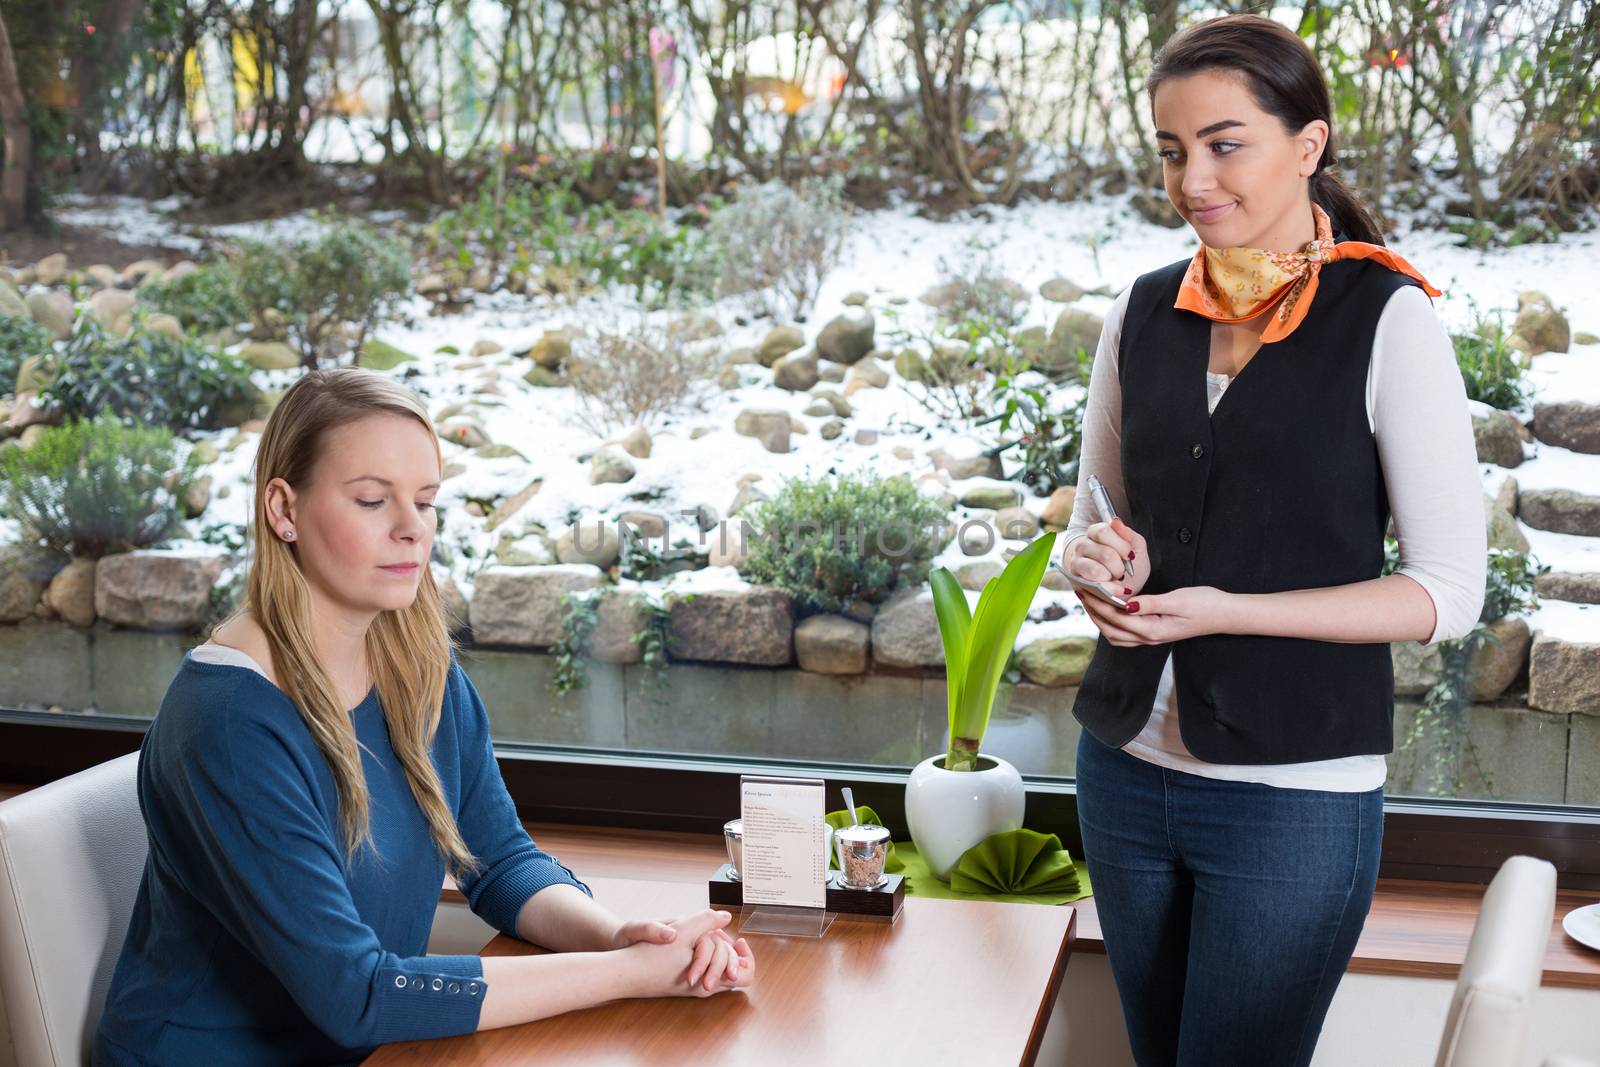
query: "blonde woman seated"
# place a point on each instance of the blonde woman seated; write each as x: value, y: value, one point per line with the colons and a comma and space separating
x: 297, y: 847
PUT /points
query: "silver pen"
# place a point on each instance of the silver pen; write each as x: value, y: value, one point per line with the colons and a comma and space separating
x: 1108, y: 513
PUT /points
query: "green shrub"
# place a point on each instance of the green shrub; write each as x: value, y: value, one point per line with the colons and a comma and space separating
x: 1038, y: 432
x: 777, y: 243
x: 1492, y: 370
x: 206, y: 299
x: 96, y: 487
x: 19, y: 339
x: 182, y: 385
x: 841, y: 539
x: 352, y: 275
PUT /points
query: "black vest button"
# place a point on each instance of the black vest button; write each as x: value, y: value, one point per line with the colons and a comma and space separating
x: 1185, y: 536
x: 1197, y: 451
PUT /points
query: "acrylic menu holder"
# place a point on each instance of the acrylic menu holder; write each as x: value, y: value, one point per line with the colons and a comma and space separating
x: 784, y: 871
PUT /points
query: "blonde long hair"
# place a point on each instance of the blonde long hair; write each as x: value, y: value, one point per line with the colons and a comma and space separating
x: 408, y: 650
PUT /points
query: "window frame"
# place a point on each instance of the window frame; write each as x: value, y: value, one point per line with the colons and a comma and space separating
x: 1451, y: 841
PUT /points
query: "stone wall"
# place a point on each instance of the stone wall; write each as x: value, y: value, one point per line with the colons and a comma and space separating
x: 886, y: 716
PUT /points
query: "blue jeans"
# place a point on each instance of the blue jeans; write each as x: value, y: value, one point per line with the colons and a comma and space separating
x: 1229, y: 909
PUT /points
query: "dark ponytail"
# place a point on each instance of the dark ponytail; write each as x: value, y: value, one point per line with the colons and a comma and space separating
x: 1287, y: 83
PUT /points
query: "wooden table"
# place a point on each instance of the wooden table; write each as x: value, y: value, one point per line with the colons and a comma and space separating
x: 952, y: 982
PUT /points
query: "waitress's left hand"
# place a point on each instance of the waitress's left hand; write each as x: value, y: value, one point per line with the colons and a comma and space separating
x: 1160, y: 618
x: 632, y: 931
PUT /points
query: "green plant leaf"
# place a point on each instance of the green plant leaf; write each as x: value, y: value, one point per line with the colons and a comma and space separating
x: 955, y: 630
x: 1002, y: 607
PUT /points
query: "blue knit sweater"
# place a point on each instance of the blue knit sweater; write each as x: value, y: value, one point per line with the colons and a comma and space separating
x: 253, y: 941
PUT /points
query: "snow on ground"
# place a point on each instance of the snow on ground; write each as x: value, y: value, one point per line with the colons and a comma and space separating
x: 893, y: 256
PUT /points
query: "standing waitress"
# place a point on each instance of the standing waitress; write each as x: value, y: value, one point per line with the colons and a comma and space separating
x: 1256, y: 414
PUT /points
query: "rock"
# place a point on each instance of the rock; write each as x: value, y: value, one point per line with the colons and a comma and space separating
x: 1056, y: 661
x: 28, y: 410
x: 832, y: 644
x: 521, y: 606
x: 205, y: 453
x: 198, y: 497
x: 1564, y: 676
x: 452, y: 601
x: 903, y: 452
x: 498, y: 452
x: 179, y: 269
x: 847, y: 338
x: 51, y: 269
x: 1061, y: 291
x: 269, y: 355
x: 748, y: 493
x: 1506, y: 495
x: 1541, y: 325
x: 836, y: 403
x: 635, y: 441
x: 1057, y: 514
x: 52, y: 310
x: 643, y: 524
x: 868, y: 374
x: 101, y: 276
x: 513, y: 503
x: 144, y: 270
x: 818, y: 409
x: 71, y: 593
x: 532, y: 549
x: 1560, y: 511
x: 1074, y: 329
x: 1498, y: 662
x: 966, y: 458
x: 946, y: 295
x: 543, y: 378
x: 381, y: 355
x: 1583, y: 337
x: 866, y: 437
x: 977, y: 535
x: 431, y: 283
x: 1497, y: 439
x: 610, y: 464
x: 991, y: 497
x: 590, y: 541
x: 20, y: 585
x: 1016, y: 523
x: 1416, y: 667
x: 742, y: 357
x: 468, y: 433
x: 695, y: 326
x: 1504, y: 533
x: 156, y: 590
x: 620, y: 620
x: 975, y: 576
x: 1575, y: 587
x: 31, y: 436
x: 770, y: 426
x: 551, y: 350
x: 855, y: 299
x: 832, y: 373
x: 797, y: 371
x: 166, y: 325
x: 1571, y: 425
x: 706, y: 517
x: 753, y: 625
x: 832, y: 429
x: 905, y: 632
x: 728, y: 379
x: 729, y: 548
x: 112, y: 309
x: 779, y: 342
x: 909, y: 364
x: 11, y: 302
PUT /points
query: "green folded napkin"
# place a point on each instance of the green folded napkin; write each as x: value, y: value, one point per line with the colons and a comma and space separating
x: 920, y: 882
x: 840, y: 819
x: 1022, y: 861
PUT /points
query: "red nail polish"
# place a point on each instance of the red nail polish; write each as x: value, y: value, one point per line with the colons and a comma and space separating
x: 1127, y: 591
x: 1133, y: 608
x: 1130, y: 556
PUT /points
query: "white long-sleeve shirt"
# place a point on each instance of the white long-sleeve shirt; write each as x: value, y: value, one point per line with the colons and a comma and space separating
x: 1417, y: 410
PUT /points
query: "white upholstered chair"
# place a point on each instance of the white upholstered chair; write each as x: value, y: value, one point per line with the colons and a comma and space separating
x: 71, y: 855
x: 1489, y: 1012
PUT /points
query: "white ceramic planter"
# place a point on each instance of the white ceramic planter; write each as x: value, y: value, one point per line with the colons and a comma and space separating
x: 950, y: 811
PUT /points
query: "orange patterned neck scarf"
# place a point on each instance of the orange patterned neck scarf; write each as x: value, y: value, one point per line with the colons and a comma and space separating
x: 1238, y: 284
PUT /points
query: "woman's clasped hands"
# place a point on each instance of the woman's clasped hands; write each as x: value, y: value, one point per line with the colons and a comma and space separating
x: 1114, y: 553
x: 690, y: 956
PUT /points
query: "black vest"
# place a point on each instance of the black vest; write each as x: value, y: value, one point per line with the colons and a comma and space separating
x: 1280, y: 489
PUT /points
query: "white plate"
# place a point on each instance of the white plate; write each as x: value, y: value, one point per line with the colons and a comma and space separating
x: 1583, y: 924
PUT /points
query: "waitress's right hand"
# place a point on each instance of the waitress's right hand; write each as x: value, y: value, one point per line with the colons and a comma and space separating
x: 1110, y: 552
x: 700, y: 962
